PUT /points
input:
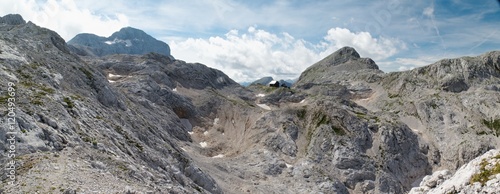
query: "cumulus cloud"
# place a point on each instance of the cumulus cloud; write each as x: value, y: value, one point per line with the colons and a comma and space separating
x: 249, y: 55
x: 64, y: 17
x: 256, y: 53
x: 364, y: 43
x: 404, y: 64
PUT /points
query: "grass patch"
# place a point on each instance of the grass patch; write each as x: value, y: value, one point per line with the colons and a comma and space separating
x: 302, y: 113
x: 68, y: 102
x: 393, y: 95
x: 87, y: 73
x: 338, y: 130
x: 493, y: 124
x: 484, y: 174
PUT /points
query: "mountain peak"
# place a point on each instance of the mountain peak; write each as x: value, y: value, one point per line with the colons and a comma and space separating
x: 127, y: 40
x: 12, y: 19
x: 130, y: 33
x: 340, y: 56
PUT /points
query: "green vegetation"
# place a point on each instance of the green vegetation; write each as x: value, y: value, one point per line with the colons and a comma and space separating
x: 392, y: 95
x: 484, y: 174
x: 322, y: 121
x: 361, y: 115
x: 302, y: 113
x: 4, y: 99
x: 493, y: 124
x: 87, y: 73
x: 338, y: 130
x: 68, y: 102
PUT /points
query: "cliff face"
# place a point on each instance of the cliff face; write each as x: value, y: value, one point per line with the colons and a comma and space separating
x: 150, y: 123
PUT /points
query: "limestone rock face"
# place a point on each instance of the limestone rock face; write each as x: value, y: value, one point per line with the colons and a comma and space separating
x: 478, y: 176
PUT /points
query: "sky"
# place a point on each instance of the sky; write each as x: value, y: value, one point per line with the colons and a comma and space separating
x: 248, y: 40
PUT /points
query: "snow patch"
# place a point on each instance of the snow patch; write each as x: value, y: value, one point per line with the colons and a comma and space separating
x: 302, y: 101
x: 218, y: 156
x: 190, y: 132
x: 203, y: 144
x: 216, y: 121
x: 128, y: 43
x: 221, y: 80
x: 205, y: 133
x: 260, y: 95
x: 110, y: 75
x: 288, y: 165
x: 264, y: 106
x: 111, y: 81
x: 175, y: 89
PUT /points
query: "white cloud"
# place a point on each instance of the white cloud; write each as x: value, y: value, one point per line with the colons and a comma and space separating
x: 364, y: 43
x: 64, y: 17
x: 246, y: 56
x: 404, y: 64
x: 257, y: 53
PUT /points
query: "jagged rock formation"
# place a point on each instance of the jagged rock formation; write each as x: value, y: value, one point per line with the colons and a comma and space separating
x: 481, y: 175
x: 150, y: 123
x: 126, y: 41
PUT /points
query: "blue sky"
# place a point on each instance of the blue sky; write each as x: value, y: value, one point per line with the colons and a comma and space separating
x: 280, y: 38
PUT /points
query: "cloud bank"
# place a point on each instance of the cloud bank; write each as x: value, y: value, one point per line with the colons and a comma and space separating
x: 65, y: 17
x: 256, y: 53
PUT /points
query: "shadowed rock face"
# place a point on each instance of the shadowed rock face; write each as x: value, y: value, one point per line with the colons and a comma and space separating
x: 12, y: 19
x: 126, y: 41
x: 150, y: 123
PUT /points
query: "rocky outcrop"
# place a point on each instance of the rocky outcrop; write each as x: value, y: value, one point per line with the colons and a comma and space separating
x: 12, y: 19
x: 344, y: 64
x: 481, y: 175
x: 126, y: 41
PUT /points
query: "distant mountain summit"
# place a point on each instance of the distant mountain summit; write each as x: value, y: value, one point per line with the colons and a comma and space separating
x: 266, y: 80
x: 12, y: 19
x: 126, y: 41
x: 343, y: 64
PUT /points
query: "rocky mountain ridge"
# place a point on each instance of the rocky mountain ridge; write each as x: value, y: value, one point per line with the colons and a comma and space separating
x: 153, y: 124
x: 126, y: 41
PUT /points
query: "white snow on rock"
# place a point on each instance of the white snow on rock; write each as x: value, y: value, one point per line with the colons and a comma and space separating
x: 190, y: 132
x: 302, y: 101
x: 205, y: 133
x: 218, y: 156
x: 175, y: 89
x: 260, y: 95
x: 203, y: 144
x: 288, y: 165
x: 128, y: 43
x: 264, y: 106
x: 216, y: 121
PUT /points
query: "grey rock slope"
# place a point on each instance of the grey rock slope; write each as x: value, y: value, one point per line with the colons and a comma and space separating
x: 76, y: 132
x: 126, y: 41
